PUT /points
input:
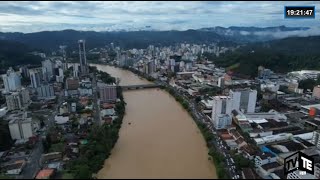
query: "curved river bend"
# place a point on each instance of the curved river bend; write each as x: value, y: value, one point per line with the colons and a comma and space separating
x: 162, y: 140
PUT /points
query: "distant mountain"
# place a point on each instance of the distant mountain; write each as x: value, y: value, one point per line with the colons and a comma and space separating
x: 50, y: 40
x: 294, y: 53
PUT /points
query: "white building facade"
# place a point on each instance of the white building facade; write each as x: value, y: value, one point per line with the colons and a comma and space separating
x: 21, y: 128
x: 11, y: 80
x: 244, y: 100
x: 18, y: 100
x: 47, y: 69
x: 221, y: 111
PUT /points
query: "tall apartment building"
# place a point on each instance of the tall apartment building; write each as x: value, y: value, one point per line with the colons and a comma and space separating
x: 18, y: 100
x: 24, y: 71
x: 221, y: 111
x: 72, y: 83
x: 150, y: 67
x: 21, y: 128
x: 45, y: 91
x: 83, y: 60
x: 11, y: 80
x: 221, y: 82
x: 107, y: 92
x: 75, y: 70
x: 47, y: 69
x: 35, y: 77
x: 60, y: 76
x: 122, y: 60
x: 244, y: 100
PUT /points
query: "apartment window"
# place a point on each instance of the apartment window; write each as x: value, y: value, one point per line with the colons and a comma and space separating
x: 224, y: 107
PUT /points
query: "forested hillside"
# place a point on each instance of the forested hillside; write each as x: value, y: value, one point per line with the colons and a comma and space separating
x: 279, y: 55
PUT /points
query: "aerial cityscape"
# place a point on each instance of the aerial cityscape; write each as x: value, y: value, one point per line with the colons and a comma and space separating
x: 108, y: 90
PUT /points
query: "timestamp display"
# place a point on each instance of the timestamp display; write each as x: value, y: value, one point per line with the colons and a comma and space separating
x: 299, y: 12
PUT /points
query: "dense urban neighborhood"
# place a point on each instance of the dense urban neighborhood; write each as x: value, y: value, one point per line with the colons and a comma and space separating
x: 61, y: 118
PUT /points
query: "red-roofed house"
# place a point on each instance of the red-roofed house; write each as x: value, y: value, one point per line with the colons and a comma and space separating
x: 45, y: 174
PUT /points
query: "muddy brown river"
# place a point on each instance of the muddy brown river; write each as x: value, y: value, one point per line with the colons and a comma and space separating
x: 162, y: 140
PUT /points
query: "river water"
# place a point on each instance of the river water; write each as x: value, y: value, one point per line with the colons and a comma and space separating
x: 162, y: 140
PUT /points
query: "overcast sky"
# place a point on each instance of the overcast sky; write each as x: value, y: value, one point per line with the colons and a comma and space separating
x: 103, y: 16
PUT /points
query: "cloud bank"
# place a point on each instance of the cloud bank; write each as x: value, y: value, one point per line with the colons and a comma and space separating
x: 107, y: 15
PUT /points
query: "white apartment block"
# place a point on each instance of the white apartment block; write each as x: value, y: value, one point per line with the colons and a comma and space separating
x: 47, y: 69
x: 221, y: 111
x: 244, y: 100
x: 21, y: 128
x: 11, y: 80
x: 18, y: 100
x: 45, y: 91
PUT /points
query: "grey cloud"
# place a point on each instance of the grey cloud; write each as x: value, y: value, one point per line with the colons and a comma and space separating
x: 160, y: 15
x: 20, y: 10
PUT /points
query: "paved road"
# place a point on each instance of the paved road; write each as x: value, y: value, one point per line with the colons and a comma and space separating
x: 218, y: 143
x: 95, y: 100
x: 32, y: 166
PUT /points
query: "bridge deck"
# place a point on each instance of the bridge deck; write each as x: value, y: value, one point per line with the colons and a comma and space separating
x: 140, y: 86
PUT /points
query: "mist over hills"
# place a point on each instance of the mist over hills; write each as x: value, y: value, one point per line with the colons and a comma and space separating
x: 50, y: 40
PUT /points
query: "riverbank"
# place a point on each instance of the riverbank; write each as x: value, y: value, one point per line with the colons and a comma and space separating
x: 101, y: 140
x: 213, y: 155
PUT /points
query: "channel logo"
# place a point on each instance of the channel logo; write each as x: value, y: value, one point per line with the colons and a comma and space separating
x: 299, y: 161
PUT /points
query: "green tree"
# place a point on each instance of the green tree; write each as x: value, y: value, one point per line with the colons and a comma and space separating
x: 5, y: 138
x: 307, y: 84
x: 198, y: 99
x: 83, y: 172
x: 242, y: 162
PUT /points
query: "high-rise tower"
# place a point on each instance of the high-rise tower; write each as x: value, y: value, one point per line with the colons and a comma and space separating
x: 83, y: 59
x: 64, y: 55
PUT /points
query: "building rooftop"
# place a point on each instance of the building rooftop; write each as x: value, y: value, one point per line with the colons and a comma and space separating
x: 316, y: 122
x: 264, y: 155
x: 15, y: 165
x: 312, y: 105
x: 240, y: 140
x: 302, y: 131
x: 290, y: 129
x: 280, y: 173
x: 304, y: 142
x: 45, y: 174
x: 249, y: 149
x: 292, y: 146
x: 285, y: 147
x: 226, y: 136
x: 270, y: 166
x: 276, y: 124
x: 248, y: 173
